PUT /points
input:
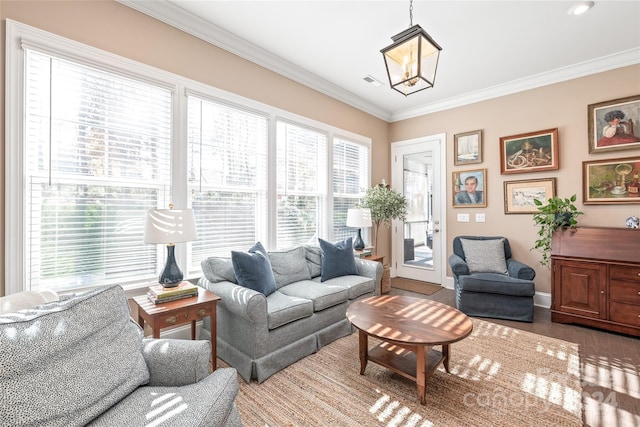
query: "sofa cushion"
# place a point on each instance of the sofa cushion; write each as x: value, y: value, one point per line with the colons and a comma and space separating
x: 337, y: 259
x: 485, y: 256
x: 314, y: 260
x: 323, y: 295
x: 355, y: 285
x: 289, y: 266
x: 218, y: 269
x: 66, y: 362
x: 283, y: 309
x: 253, y: 269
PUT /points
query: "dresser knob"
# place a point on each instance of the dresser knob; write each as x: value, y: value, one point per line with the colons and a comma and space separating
x: 171, y: 320
x: 602, y: 292
x: 202, y: 312
x: 186, y: 315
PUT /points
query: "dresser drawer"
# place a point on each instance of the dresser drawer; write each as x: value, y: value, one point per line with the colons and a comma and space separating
x: 625, y: 273
x: 626, y: 292
x: 185, y: 315
x: 629, y: 314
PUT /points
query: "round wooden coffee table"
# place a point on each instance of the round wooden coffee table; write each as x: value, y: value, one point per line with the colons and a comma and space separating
x: 408, y: 327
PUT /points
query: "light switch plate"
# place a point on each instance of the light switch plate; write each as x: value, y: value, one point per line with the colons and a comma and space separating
x: 479, y: 217
x: 463, y: 217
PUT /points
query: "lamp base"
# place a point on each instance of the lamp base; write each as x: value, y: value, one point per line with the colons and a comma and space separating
x: 358, y: 244
x: 171, y: 276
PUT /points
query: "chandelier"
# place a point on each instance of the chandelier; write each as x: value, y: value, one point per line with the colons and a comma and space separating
x: 411, y: 59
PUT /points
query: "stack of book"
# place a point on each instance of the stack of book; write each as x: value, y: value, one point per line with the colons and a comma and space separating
x: 363, y: 253
x: 158, y: 294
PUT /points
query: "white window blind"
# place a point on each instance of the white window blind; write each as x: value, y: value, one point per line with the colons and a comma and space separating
x: 301, y: 183
x: 350, y: 180
x: 97, y: 150
x: 227, y: 177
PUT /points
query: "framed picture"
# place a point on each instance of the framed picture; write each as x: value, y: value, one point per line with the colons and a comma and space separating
x: 519, y: 196
x: 467, y: 148
x: 614, y: 125
x: 612, y: 181
x: 470, y: 188
x: 529, y: 152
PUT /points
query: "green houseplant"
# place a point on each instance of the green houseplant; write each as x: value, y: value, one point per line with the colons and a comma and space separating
x: 556, y: 213
x: 386, y: 204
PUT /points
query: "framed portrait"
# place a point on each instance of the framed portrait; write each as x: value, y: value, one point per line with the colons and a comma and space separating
x: 529, y: 152
x: 467, y: 148
x: 612, y: 181
x: 519, y: 196
x: 470, y: 188
x: 614, y: 125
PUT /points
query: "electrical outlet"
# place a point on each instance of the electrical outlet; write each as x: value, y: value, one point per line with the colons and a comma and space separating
x: 479, y: 217
x: 463, y: 217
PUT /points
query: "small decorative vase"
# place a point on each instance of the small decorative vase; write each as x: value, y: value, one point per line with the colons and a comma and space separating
x: 633, y: 222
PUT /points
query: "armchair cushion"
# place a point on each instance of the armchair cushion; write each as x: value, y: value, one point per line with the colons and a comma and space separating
x: 485, y: 256
x: 492, y: 283
x: 173, y: 362
x: 253, y: 269
x: 337, y: 259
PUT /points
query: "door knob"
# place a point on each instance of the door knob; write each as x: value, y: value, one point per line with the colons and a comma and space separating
x: 436, y: 230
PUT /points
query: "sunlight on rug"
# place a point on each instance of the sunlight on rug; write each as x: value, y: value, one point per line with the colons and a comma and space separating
x: 499, y: 376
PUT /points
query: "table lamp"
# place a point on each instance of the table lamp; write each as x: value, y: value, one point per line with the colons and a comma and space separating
x: 359, y: 218
x: 170, y: 226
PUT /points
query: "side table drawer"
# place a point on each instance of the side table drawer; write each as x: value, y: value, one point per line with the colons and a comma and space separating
x: 629, y: 314
x: 183, y: 316
x: 625, y: 273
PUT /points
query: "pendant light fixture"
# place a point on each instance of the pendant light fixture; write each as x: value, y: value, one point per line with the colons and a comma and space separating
x: 411, y: 59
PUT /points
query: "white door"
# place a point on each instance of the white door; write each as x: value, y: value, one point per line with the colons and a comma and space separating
x: 417, y: 171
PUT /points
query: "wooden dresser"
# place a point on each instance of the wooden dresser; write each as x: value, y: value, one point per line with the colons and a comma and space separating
x: 595, y: 278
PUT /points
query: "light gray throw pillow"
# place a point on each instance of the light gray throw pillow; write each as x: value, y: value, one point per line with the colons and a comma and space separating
x: 218, y: 269
x: 485, y: 256
x: 289, y: 266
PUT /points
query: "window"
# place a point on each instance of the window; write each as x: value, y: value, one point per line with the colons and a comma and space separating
x: 97, y: 150
x: 100, y: 140
x: 301, y: 183
x: 350, y: 180
x: 227, y: 177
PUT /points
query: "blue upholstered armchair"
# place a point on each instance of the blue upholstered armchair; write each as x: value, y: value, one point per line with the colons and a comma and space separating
x: 488, y: 282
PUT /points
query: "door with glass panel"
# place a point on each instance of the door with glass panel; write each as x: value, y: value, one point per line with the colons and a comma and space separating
x: 417, y: 174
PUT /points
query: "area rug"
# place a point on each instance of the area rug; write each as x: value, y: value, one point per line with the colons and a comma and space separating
x: 417, y: 286
x: 499, y: 376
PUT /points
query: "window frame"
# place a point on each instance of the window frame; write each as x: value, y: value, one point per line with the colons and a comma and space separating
x: 19, y: 35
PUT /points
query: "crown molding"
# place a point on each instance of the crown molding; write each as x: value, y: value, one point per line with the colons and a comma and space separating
x: 598, y: 65
x: 177, y: 17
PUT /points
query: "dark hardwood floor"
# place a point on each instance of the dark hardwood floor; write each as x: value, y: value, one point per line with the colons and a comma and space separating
x: 610, y: 364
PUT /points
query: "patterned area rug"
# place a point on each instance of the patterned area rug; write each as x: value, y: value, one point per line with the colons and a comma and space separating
x: 499, y: 376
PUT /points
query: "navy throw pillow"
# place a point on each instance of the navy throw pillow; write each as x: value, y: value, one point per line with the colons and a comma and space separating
x: 253, y: 269
x: 337, y: 259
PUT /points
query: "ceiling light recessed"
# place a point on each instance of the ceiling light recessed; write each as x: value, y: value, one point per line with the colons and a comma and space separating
x: 580, y: 8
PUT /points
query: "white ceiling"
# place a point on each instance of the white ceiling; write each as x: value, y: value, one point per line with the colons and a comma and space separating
x: 490, y: 48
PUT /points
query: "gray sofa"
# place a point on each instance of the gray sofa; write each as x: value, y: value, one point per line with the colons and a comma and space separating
x: 260, y: 335
x: 82, y: 360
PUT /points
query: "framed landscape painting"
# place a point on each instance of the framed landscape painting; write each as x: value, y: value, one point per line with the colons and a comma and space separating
x: 611, y: 181
x: 467, y: 148
x: 614, y: 125
x: 519, y: 196
x: 529, y: 152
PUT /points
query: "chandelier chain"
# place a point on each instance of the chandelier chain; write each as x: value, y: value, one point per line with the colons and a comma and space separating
x: 411, y: 13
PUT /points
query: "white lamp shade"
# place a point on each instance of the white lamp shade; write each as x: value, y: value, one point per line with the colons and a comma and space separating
x: 170, y: 226
x: 359, y: 218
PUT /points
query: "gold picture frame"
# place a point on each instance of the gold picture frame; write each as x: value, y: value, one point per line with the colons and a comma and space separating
x: 614, y: 125
x: 519, y: 196
x: 610, y: 181
x: 467, y: 148
x: 462, y: 198
x: 529, y: 152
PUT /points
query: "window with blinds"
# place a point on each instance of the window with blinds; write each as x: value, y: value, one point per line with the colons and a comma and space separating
x: 227, y: 177
x: 350, y: 180
x: 97, y: 157
x: 301, y: 170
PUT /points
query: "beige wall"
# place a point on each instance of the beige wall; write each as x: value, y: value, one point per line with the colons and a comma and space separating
x: 113, y: 27
x: 562, y: 106
x: 118, y: 29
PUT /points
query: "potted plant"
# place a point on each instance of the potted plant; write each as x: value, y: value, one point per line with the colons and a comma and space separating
x: 557, y: 213
x: 386, y: 204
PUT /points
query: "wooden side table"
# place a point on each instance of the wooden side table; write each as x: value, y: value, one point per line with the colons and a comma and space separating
x: 179, y: 312
x: 385, y: 282
x: 379, y: 258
